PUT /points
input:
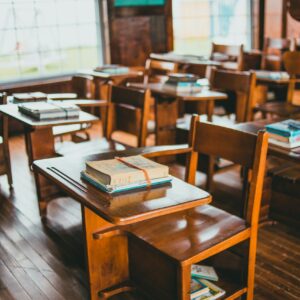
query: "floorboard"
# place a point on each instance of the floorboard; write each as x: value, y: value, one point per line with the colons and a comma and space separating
x: 45, y: 261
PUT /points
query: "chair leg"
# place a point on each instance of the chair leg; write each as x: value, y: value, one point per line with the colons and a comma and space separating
x: 251, y: 266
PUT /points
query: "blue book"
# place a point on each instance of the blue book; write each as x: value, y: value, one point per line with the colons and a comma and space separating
x: 122, y: 188
x: 287, y: 128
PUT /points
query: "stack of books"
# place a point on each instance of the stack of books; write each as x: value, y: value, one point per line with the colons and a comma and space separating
x: 112, y: 69
x: 124, y: 174
x: 181, y: 82
x: 201, y: 286
x: 272, y: 75
x: 29, y: 97
x: 49, y: 111
x: 285, y: 134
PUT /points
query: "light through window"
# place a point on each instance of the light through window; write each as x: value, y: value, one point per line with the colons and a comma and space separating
x: 198, y: 23
x: 48, y: 37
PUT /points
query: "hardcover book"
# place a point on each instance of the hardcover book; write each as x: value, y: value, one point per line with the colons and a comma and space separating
x: 205, y: 272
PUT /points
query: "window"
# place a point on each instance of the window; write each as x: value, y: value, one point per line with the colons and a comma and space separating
x: 198, y: 23
x: 40, y: 38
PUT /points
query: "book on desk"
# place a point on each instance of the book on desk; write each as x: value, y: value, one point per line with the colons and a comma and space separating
x: 125, y: 174
x: 183, y: 82
x: 285, y: 134
x: 49, y: 111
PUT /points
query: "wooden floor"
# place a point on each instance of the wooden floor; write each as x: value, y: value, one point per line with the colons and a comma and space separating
x: 45, y: 261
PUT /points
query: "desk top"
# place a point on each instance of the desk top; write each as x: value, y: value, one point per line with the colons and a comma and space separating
x: 79, y: 102
x: 184, y: 59
x: 123, y: 208
x: 204, y: 95
x: 11, y: 110
x: 101, y: 75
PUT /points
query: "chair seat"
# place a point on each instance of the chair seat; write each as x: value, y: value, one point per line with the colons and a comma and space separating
x: 186, y: 234
x: 281, y: 109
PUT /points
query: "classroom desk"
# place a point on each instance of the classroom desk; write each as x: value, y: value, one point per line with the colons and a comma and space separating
x: 166, y: 108
x: 102, y: 79
x: 184, y: 59
x: 292, y: 155
x: 38, y: 134
x: 105, y: 216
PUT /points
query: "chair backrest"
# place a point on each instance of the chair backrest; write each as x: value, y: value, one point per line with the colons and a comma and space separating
x: 228, y: 53
x: 272, y: 53
x: 128, y: 111
x: 291, y: 61
x: 242, y: 84
x: 246, y: 149
x: 83, y: 86
x: 155, y: 69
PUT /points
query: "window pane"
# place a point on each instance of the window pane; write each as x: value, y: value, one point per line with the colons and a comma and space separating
x: 42, y: 37
x: 197, y: 23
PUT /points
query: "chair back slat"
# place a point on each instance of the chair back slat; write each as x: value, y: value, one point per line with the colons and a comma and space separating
x: 84, y: 86
x: 231, y: 80
x: 241, y: 84
x: 291, y: 61
x: 129, y: 96
x: 227, y: 143
x: 156, y: 68
x: 128, y: 111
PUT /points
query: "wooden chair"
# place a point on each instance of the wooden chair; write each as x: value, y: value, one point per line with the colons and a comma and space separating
x: 5, y: 165
x: 205, y: 235
x: 240, y: 87
x: 231, y: 56
x: 290, y: 108
x: 272, y: 53
x: 157, y: 71
x: 128, y: 111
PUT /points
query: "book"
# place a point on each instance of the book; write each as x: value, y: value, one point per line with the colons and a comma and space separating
x: 214, y: 292
x: 123, y: 188
x: 197, y: 288
x: 205, y: 272
x: 284, y: 138
x: 112, y: 69
x: 287, y: 128
x: 183, y: 88
x: 113, y: 172
x: 46, y: 110
x: 182, y: 77
x: 285, y: 145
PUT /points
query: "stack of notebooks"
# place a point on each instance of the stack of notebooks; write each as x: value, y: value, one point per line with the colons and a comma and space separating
x: 285, y: 134
x: 124, y: 174
x: 181, y: 82
x: 112, y: 69
x: 29, y: 97
x: 50, y: 111
x: 201, y: 286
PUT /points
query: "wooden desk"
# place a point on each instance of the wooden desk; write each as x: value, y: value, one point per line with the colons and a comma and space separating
x: 166, y: 108
x: 184, y: 59
x: 287, y: 154
x: 38, y: 134
x: 102, y: 79
x: 104, y: 215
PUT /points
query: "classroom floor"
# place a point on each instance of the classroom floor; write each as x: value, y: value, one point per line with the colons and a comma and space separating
x: 45, y: 261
